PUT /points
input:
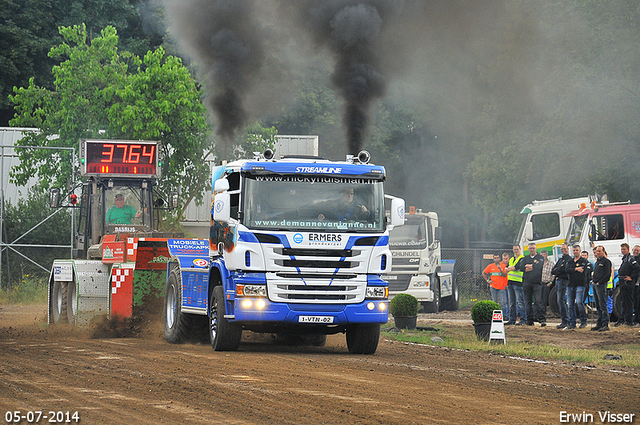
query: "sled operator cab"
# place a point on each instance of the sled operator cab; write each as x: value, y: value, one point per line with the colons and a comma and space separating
x: 117, y: 195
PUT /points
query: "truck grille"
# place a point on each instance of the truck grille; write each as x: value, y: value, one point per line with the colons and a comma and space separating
x: 315, y: 288
x: 317, y: 252
x: 316, y: 264
x: 400, y: 284
x: 316, y: 275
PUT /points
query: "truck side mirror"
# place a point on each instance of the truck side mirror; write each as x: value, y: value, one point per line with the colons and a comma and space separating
x: 54, y: 197
x: 592, y: 233
x: 222, y: 207
x: 396, y: 213
x: 438, y: 233
x: 528, y: 230
x: 221, y: 185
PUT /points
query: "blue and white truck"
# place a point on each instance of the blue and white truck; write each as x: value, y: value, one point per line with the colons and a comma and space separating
x: 298, y: 246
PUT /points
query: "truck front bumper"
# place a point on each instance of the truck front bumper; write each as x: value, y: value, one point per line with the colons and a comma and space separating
x: 247, y: 309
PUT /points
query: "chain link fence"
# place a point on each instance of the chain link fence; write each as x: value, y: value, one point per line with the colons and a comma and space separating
x: 468, y: 271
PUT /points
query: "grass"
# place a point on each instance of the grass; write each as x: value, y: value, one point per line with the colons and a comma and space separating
x: 464, y: 339
x: 29, y: 291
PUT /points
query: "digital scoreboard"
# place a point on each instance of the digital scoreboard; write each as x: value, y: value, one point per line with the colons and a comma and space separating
x: 121, y: 158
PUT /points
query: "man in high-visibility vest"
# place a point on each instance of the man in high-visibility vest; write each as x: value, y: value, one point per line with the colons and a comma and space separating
x: 515, y: 290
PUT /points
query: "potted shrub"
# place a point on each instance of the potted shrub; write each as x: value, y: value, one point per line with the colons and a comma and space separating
x: 404, y: 309
x: 481, y: 314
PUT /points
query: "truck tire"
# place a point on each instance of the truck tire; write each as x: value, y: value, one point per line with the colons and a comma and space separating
x: 452, y: 302
x: 434, y: 306
x: 176, y: 324
x: 363, y: 339
x: 59, y: 300
x: 72, y: 302
x: 225, y: 336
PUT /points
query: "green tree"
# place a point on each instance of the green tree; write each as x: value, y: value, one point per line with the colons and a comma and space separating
x: 101, y: 92
x: 559, y: 116
x: 29, y: 29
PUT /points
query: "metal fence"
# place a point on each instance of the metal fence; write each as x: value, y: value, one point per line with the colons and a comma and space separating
x: 23, y: 256
x: 468, y: 270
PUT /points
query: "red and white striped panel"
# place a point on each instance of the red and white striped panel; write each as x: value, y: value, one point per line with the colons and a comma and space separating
x: 122, y: 290
x: 132, y: 248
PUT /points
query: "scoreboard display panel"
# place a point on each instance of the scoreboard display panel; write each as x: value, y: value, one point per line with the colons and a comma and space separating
x: 120, y: 158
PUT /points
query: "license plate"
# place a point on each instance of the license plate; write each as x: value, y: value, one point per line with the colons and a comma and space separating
x: 315, y: 319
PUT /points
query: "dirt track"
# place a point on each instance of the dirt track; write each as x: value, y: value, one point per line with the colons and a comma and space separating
x: 147, y: 381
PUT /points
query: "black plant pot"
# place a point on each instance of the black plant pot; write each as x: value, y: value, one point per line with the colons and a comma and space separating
x: 405, y: 322
x: 482, y: 330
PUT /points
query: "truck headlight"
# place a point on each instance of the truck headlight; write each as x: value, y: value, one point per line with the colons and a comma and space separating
x: 380, y: 292
x: 251, y: 290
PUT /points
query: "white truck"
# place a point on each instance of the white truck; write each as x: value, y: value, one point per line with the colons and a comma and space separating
x: 417, y: 267
x: 609, y: 225
x: 545, y: 223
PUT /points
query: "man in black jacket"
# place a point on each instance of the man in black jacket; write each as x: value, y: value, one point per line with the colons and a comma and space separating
x: 562, y: 280
x: 601, y: 276
x: 576, y: 268
x: 636, y: 293
x: 627, y: 276
x: 531, y: 266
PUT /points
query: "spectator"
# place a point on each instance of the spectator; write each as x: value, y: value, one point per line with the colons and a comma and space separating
x: 576, y: 268
x: 547, y: 278
x: 514, y: 289
x: 627, y: 276
x: 496, y: 277
x: 505, y: 264
x: 636, y: 299
x: 587, y: 276
x: 559, y: 271
x: 531, y: 266
x: 601, y: 275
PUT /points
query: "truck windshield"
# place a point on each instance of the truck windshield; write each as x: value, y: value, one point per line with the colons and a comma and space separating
x: 411, y: 235
x: 519, y: 237
x: 576, y: 228
x: 316, y: 203
x: 126, y: 205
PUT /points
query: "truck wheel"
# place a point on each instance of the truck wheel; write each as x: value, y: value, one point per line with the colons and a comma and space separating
x: 175, y: 322
x: 434, y: 306
x: 452, y: 302
x: 363, y: 339
x: 225, y: 336
x: 72, y: 302
x: 59, y: 300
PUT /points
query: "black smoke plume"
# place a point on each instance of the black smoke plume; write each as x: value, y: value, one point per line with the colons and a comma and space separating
x: 352, y: 31
x: 223, y: 37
